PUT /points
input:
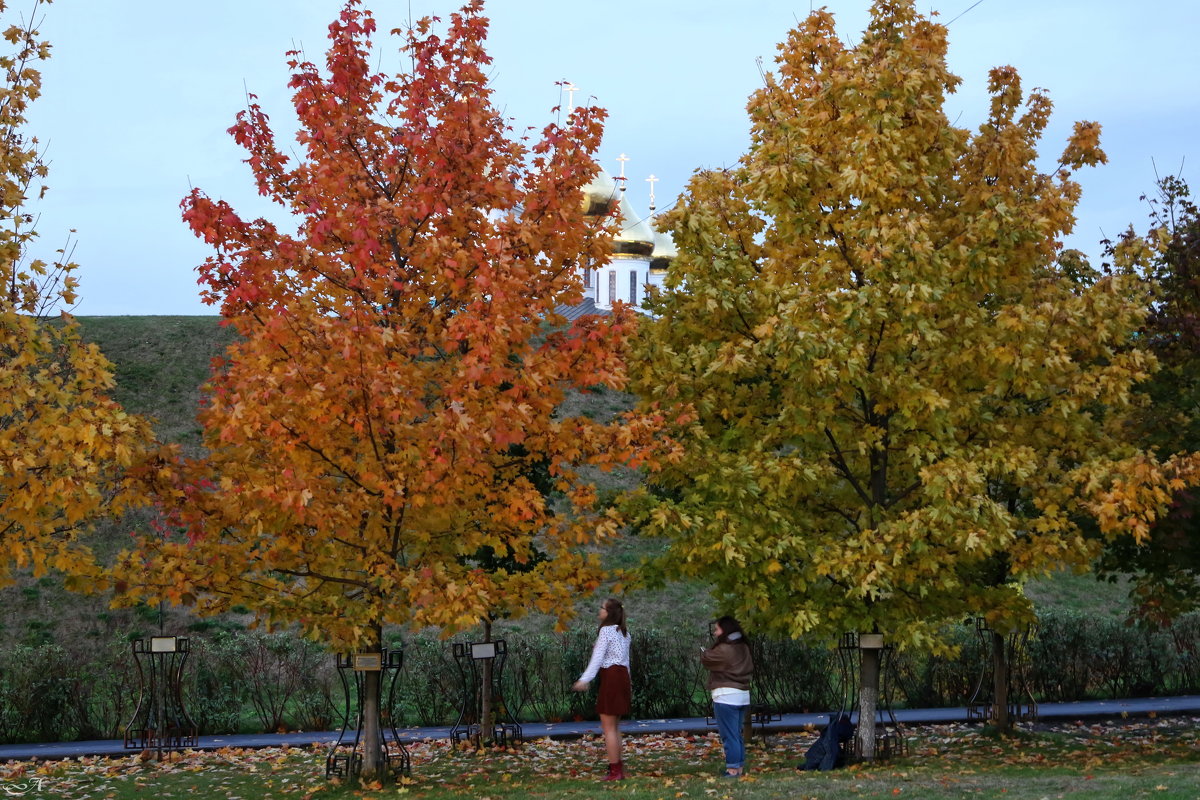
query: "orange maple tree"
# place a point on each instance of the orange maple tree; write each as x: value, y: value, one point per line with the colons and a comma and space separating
x: 400, y: 365
x: 64, y: 444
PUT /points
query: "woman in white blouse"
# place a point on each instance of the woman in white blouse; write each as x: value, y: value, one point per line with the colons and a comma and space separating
x: 610, y: 660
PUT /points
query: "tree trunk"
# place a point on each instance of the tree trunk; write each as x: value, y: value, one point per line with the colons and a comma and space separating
x: 374, y: 763
x: 1000, y: 716
x: 868, y: 701
x: 486, y: 713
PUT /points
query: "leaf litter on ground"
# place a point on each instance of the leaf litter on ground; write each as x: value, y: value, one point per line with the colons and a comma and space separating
x: 685, y: 763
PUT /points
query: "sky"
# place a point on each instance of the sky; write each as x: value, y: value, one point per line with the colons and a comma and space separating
x: 138, y: 95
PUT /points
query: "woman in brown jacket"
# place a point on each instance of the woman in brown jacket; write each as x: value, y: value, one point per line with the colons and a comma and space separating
x: 729, y: 668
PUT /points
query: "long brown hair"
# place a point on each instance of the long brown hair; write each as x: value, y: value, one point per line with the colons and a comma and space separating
x: 615, y: 615
x: 730, y: 626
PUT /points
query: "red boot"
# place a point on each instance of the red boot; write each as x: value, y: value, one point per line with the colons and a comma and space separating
x: 616, y: 772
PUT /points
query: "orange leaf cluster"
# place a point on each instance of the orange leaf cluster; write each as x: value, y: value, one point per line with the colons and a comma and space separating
x: 396, y: 386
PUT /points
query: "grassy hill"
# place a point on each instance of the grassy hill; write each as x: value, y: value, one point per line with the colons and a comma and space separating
x: 160, y: 365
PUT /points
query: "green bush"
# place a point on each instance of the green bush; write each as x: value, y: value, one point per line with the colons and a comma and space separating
x: 103, y: 691
x: 280, y: 671
x: 1185, y: 636
x: 792, y: 675
x: 241, y: 681
x: 215, y: 692
x: 35, y: 694
x: 920, y: 681
x: 428, y: 690
x: 537, y: 677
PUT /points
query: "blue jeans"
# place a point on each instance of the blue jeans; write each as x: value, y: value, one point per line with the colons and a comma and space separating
x: 729, y: 725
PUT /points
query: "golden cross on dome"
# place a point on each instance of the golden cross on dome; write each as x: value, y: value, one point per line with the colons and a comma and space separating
x: 570, y: 89
x: 652, y: 180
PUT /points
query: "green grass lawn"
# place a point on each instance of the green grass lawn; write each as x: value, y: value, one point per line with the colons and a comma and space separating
x: 1081, y: 593
x: 1124, y: 759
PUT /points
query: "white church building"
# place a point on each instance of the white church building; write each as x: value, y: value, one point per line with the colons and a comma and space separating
x: 640, y: 256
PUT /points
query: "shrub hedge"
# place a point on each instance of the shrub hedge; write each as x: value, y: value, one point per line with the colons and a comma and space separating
x: 250, y: 681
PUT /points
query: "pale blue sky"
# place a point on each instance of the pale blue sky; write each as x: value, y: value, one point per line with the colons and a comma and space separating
x: 139, y: 93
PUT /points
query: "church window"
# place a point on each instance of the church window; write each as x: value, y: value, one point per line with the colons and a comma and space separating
x: 612, y: 286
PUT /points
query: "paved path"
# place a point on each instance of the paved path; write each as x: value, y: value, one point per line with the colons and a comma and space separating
x: 1047, y: 712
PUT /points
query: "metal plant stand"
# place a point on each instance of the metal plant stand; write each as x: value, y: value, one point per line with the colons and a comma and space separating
x: 889, y: 734
x: 160, y: 722
x: 345, y: 757
x: 1022, y: 706
x: 470, y: 658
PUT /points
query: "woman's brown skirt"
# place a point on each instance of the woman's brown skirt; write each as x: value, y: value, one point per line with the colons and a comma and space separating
x: 615, y: 691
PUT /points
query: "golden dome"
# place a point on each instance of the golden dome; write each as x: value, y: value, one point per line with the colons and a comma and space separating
x: 600, y: 195
x: 664, y: 251
x: 634, y: 236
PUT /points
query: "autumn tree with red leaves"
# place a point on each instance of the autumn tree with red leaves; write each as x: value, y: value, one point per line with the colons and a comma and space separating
x: 399, y: 365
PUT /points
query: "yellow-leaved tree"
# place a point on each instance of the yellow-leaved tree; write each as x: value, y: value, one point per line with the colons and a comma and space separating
x: 64, y: 444
x: 1166, y: 568
x: 895, y: 405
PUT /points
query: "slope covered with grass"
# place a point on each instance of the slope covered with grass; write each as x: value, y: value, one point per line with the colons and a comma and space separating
x: 160, y: 364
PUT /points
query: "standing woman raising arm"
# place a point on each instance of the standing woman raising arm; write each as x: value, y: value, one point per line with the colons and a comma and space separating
x: 610, y: 660
x: 730, y: 669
